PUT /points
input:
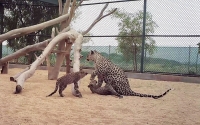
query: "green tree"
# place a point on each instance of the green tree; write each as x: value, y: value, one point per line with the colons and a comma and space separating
x: 24, y: 13
x: 131, y: 24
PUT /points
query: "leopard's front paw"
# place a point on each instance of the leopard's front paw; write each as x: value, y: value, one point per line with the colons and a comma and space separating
x: 79, y: 95
x: 121, y: 96
x: 91, y: 78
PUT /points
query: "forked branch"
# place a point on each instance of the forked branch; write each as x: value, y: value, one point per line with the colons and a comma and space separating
x: 26, y: 30
x: 25, y: 50
x: 101, y: 16
x: 60, y: 7
x: 79, y: 3
x: 13, y: 78
x: 72, y: 35
x: 72, y: 10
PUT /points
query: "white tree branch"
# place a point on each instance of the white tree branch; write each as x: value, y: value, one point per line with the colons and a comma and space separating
x: 77, y: 56
x: 26, y: 30
x: 79, y: 3
x: 72, y: 35
x: 30, y: 48
x: 72, y: 10
x: 13, y: 78
x: 53, y: 32
x: 24, y: 51
x: 101, y: 16
x: 60, y: 7
x: 66, y: 7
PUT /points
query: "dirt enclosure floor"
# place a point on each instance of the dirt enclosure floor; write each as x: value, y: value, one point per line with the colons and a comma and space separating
x: 181, y: 106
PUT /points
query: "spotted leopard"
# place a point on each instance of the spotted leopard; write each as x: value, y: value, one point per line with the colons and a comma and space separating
x: 63, y: 81
x: 115, y: 76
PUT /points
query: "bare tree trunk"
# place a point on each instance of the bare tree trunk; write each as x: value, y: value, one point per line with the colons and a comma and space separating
x: 5, y: 68
x: 68, y: 61
x: 77, y: 55
x: 59, y: 60
x: 26, y: 30
x: 24, y: 51
x: 60, y: 57
x: 13, y: 78
x: 68, y: 37
x: 71, y: 35
x: 61, y: 46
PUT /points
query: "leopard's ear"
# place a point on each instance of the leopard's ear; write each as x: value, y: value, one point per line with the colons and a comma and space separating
x: 91, y: 52
x: 81, y: 68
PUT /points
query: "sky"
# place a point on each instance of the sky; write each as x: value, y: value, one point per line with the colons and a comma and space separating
x: 174, y: 17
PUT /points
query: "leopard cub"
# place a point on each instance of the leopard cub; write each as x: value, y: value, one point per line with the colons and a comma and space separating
x: 70, y: 78
x: 106, y: 90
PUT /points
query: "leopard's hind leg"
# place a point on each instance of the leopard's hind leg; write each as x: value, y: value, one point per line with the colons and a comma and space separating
x: 78, y: 93
x: 113, y: 92
x: 61, y: 90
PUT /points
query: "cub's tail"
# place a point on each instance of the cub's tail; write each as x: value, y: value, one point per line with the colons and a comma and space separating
x: 57, y: 83
x: 150, y: 96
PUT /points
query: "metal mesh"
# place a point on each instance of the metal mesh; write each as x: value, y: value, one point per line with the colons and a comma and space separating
x: 183, y: 60
x: 176, y: 37
x: 109, y: 52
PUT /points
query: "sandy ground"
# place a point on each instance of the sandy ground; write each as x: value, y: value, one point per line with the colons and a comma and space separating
x: 180, y: 106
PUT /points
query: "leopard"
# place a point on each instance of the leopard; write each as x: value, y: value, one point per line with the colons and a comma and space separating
x: 106, y: 90
x: 115, y: 76
x: 67, y: 79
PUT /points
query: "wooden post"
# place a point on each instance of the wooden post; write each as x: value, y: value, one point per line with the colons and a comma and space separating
x: 1, y: 28
x: 5, y: 67
x: 68, y: 61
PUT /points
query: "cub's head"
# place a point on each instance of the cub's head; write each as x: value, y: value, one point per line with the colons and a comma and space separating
x: 91, y: 55
x: 92, y: 83
x: 82, y: 73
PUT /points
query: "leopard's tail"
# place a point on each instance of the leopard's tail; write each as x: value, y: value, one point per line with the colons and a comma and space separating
x: 57, y: 84
x: 150, y: 96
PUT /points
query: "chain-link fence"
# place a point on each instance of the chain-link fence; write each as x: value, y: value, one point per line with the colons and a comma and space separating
x: 176, y: 60
x: 171, y: 35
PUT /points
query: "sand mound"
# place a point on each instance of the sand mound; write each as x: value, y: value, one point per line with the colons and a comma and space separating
x: 180, y: 106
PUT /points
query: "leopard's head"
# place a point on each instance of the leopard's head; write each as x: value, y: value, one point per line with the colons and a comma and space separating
x: 82, y: 73
x: 91, y: 55
x: 92, y: 83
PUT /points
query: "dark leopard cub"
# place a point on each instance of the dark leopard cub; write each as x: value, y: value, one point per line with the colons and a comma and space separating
x: 63, y: 81
x: 106, y: 90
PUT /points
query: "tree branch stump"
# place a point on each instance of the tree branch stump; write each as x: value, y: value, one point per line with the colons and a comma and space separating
x: 5, y: 67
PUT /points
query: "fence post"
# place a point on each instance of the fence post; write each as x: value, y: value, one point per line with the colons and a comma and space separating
x: 143, y: 37
x: 198, y: 51
x: 109, y: 52
x: 197, y: 62
x: 189, y: 60
x: 145, y: 57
